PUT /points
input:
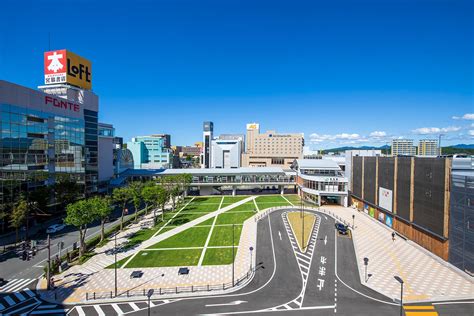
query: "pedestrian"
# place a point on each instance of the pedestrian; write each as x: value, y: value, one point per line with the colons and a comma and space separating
x: 393, y: 236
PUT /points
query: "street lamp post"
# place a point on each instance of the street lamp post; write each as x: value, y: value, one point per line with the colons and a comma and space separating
x: 115, y: 265
x: 251, y: 249
x: 400, y: 280
x: 233, y: 254
x: 149, y: 294
x: 353, y: 221
x: 366, y: 263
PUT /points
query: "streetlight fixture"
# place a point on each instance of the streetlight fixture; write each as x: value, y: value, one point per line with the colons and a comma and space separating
x: 149, y: 294
x: 233, y: 256
x: 366, y: 263
x: 399, y: 279
x: 251, y: 249
x: 115, y: 265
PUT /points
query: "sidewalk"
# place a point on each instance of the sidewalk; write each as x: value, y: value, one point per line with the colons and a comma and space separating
x: 426, y: 278
x: 73, y: 284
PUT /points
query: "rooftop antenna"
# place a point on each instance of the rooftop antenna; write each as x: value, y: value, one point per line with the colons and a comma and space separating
x: 439, y: 143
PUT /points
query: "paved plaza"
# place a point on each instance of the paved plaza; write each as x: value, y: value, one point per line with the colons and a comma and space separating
x: 426, y: 278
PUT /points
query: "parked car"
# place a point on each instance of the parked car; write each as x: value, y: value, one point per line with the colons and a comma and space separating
x: 341, y: 228
x: 55, y: 228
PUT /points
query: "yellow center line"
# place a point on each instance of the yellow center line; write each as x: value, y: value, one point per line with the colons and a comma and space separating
x: 417, y: 307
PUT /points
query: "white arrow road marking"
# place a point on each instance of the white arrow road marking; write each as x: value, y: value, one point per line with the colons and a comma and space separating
x: 325, y: 217
x: 325, y: 239
x: 226, y: 304
x: 279, y: 234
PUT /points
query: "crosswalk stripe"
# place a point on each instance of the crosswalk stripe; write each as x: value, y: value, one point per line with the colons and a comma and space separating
x: 2, y: 307
x: 134, y: 306
x: 80, y: 311
x: 117, y: 309
x: 47, y: 306
x: 9, y: 300
x: 23, y: 308
x: 10, y: 284
x: 99, y: 310
x: 17, y: 285
x: 19, y: 296
x: 29, y: 292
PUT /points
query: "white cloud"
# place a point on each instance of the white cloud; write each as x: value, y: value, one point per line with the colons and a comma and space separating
x: 317, y: 138
x: 378, y: 134
x: 467, y: 116
x: 435, y: 130
x: 471, y: 132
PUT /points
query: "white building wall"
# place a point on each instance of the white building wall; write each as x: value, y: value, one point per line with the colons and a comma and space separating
x: 218, y: 152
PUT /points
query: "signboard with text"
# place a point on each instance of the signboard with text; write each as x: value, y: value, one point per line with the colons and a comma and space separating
x: 62, y: 66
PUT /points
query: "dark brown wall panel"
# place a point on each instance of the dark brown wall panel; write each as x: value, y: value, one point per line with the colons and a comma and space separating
x: 403, y: 187
x: 428, y: 204
x: 357, y: 176
x: 369, y: 179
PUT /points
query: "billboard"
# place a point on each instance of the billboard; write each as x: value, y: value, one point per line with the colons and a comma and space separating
x: 372, y: 211
x: 253, y: 126
x: 62, y: 66
x: 389, y: 221
x: 385, y: 198
x: 381, y: 217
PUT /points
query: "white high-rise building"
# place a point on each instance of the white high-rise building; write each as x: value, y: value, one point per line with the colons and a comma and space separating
x: 207, y: 135
x: 226, y: 152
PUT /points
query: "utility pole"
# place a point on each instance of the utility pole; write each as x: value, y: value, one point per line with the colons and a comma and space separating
x: 233, y: 254
x: 48, y: 272
x: 115, y: 265
x: 439, y: 143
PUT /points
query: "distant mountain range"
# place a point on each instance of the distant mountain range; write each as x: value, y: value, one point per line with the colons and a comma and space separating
x: 469, y: 147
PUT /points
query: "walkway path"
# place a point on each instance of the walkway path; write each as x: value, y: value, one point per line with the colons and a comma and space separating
x: 203, y: 253
x: 426, y: 277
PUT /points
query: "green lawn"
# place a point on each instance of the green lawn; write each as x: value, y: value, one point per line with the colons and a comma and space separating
x: 233, y: 199
x: 165, y: 258
x: 233, y: 218
x: 183, y: 218
x: 207, y: 222
x: 293, y: 198
x: 191, y: 237
x: 217, y: 256
x: 119, y: 263
x: 246, y: 207
x: 198, y: 207
x: 264, y: 202
x: 222, y: 236
x: 207, y: 200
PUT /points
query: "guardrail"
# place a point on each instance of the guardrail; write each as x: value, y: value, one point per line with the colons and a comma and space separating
x: 169, y: 290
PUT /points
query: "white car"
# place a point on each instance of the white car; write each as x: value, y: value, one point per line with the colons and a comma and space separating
x: 55, y: 228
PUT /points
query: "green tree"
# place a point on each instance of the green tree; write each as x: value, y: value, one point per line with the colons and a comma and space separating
x: 136, y: 194
x: 162, y: 197
x: 66, y: 190
x: 80, y: 214
x: 149, y: 195
x: 19, y: 215
x: 122, y: 196
x: 103, y: 208
x: 184, y: 181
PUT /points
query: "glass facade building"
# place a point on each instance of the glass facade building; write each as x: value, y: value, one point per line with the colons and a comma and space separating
x: 44, y: 137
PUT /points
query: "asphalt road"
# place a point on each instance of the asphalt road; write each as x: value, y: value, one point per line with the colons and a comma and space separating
x: 13, y: 268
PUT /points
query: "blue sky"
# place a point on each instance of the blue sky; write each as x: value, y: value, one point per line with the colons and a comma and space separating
x: 341, y: 72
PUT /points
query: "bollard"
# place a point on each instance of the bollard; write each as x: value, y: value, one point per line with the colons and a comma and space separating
x: 94, y: 295
x: 160, y: 290
x: 110, y: 294
x: 223, y: 286
x: 87, y: 296
x: 127, y: 293
x: 192, y: 288
x: 176, y: 290
x: 208, y: 287
x: 143, y: 292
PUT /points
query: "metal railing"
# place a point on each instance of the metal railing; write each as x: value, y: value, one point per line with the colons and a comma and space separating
x: 169, y: 290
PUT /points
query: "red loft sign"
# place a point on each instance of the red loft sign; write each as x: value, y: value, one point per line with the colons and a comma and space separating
x: 62, y: 104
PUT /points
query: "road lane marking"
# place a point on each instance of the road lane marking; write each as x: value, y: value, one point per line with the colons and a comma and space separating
x: 418, y: 307
x: 134, y: 306
x: 421, y: 314
x: 117, y: 309
x: 279, y: 234
x: 99, y: 310
x: 227, y: 304
x: 80, y: 311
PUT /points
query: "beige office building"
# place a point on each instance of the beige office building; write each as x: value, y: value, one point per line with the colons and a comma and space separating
x: 271, y: 149
x: 403, y: 147
x: 428, y: 147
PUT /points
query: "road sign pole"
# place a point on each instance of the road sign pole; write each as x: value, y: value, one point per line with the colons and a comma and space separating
x: 48, y: 272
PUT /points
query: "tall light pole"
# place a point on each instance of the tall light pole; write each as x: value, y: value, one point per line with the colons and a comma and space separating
x: 353, y: 221
x: 149, y: 294
x: 48, y: 274
x: 401, y: 293
x: 115, y: 265
x: 251, y: 249
x: 366, y: 263
x: 233, y: 254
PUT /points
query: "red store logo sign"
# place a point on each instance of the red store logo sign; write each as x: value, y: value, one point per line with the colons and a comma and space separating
x: 61, y: 103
